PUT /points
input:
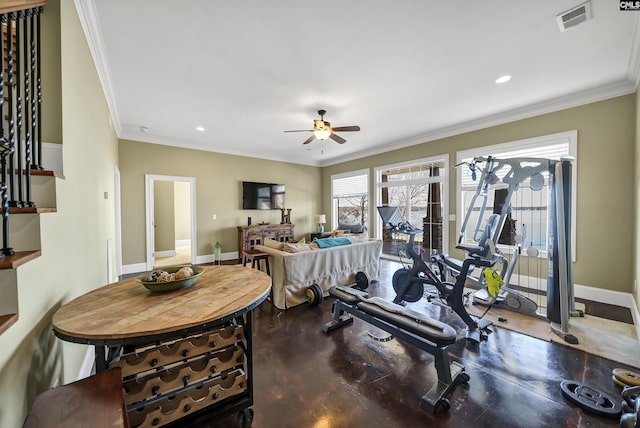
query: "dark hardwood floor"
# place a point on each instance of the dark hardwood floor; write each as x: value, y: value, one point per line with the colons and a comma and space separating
x: 305, y: 378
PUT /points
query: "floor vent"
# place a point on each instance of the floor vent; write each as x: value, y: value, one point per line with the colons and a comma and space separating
x: 574, y: 16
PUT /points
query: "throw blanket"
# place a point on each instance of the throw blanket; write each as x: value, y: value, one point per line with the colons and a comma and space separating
x: 332, y: 242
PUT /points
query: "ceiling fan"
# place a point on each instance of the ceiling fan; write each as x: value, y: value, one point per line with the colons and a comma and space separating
x: 323, y: 130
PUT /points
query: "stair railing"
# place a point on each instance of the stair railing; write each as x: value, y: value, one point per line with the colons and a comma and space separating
x: 20, y: 110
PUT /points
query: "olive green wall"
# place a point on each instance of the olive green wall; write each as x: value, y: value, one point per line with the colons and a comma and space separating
x: 636, y: 189
x: 77, y: 241
x: 605, y: 168
x: 182, y: 210
x: 218, y: 191
x: 51, y: 74
x: 164, y: 216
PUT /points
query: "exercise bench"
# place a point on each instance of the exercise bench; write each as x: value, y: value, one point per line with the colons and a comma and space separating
x: 426, y: 333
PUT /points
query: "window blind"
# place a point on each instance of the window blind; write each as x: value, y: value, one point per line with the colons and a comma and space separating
x: 350, y: 186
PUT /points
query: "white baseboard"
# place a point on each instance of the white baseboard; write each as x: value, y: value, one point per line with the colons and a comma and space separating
x: 600, y: 295
x: 167, y: 253
x: 134, y: 268
x: 142, y: 267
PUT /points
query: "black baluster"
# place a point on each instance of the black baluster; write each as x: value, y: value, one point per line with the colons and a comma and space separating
x: 38, y: 79
x: 19, y: 99
x: 34, y: 89
x: 3, y: 140
x: 5, y: 150
x: 27, y: 202
x: 11, y: 123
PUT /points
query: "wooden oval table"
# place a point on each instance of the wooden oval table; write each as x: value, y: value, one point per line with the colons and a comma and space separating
x: 183, y: 353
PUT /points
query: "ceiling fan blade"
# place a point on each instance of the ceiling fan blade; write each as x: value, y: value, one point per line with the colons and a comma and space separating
x: 301, y: 130
x: 337, y: 138
x: 346, y: 128
x: 310, y: 139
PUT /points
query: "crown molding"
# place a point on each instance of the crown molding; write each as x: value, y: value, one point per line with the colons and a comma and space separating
x: 633, y: 71
x: 88, y: 16
x: 133, y: 134
x: 577, y: 99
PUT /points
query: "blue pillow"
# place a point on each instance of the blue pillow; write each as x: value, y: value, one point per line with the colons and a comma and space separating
x: 332, y: 242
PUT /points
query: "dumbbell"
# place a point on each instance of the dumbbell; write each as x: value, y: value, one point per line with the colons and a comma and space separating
x: 630, y: 407
x: 314, y: 292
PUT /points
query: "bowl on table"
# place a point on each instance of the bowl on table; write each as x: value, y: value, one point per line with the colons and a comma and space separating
x: 157, y: 279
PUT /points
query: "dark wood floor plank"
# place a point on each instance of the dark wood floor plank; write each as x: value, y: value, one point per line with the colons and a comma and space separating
x: 304, y: 378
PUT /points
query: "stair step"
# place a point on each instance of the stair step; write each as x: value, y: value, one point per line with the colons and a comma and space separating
x: 7, y: 321
x: 31, y: 210
x: 18, y: 259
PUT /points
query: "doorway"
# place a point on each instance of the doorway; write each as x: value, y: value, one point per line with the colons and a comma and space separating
x: 170, y: 220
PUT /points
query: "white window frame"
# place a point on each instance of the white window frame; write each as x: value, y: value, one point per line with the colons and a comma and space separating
x: 570, y: 137
x: 444, y: 158
x: 334, y: 211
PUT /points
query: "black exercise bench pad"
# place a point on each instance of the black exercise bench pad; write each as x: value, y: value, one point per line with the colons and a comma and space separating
x: 427, y: 328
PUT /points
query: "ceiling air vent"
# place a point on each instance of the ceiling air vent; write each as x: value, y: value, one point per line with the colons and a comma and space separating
x: 574, y: 16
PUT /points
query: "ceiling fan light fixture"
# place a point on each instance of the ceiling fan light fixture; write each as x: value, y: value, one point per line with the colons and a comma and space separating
x: 322, y: 134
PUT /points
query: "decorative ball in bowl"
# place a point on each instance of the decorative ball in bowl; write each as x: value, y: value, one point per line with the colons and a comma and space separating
x: 170, y: 278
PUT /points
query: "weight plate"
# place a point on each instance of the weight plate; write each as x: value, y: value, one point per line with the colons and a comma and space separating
x: 362, y: 281
x: 617, y: 382
x: 536, y: 182
x: 532, y: 251
x: 314, y: 295
x: 627, y: 376
x: 591, y: 399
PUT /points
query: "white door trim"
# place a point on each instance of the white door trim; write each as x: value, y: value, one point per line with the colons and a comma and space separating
x: 149, y: 201
x: 118, y: 223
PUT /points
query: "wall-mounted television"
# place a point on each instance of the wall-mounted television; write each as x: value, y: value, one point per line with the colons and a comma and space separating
x: 262, y: 196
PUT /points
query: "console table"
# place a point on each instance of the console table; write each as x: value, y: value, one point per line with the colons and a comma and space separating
x: 250, y: 236
x: 184, y: 353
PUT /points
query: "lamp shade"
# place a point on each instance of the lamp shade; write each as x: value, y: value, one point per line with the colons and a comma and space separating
x: 321, y: 219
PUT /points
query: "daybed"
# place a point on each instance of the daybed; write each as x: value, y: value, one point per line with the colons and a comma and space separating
x: 293, y: 272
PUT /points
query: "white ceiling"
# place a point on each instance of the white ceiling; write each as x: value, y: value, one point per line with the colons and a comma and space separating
x: 405, y: 71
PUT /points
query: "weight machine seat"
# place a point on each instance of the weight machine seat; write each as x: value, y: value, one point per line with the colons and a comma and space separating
x: 472, y: 249
x: 483, y: 248
x: 427, y: 328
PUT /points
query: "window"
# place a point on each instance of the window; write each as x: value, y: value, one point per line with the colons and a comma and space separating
x: 350, y: 198
x: 418, y: 189
x: 528, y: 216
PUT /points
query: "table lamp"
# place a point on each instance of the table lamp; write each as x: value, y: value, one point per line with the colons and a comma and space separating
x: 321, y: 219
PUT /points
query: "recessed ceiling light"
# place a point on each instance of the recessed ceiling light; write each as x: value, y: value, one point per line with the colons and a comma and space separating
x: 200, y: 128
x: 503, y: 79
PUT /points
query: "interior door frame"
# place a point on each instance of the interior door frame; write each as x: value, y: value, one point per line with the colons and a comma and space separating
x: 117, y: 198
x: 150, y: 180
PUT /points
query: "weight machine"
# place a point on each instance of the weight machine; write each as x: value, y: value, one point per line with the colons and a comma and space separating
x: 513, y: 173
